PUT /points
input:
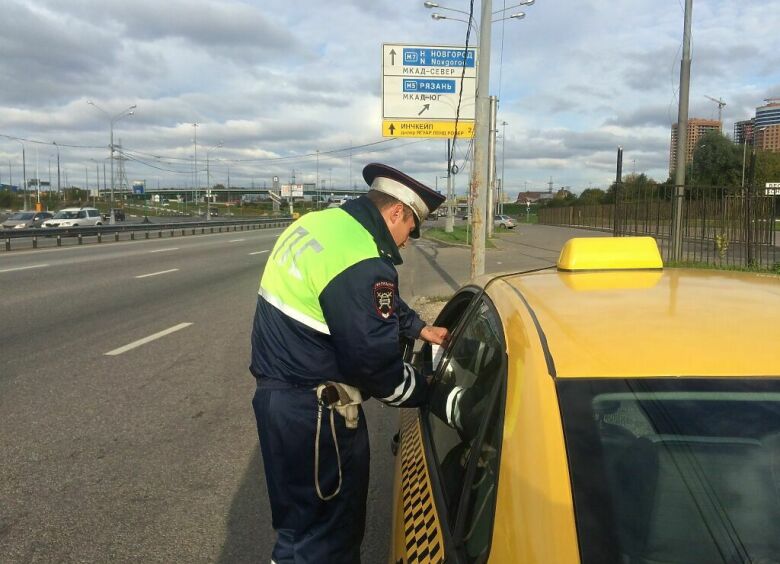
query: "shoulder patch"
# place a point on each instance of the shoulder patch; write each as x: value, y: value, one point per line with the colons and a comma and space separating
x: 384, y: 298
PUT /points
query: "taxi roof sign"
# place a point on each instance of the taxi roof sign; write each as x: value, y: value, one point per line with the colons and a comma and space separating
x: 608, y: 253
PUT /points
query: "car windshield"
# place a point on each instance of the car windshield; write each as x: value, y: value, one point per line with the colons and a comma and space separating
x: 66, y: 214
x: 22, y: 215
x: 674, y: 470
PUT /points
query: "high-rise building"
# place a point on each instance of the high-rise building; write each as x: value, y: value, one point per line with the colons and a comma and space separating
x: 743, y: 131
x: 767, y: 138
x: 768, y: 114
x: 697, y: 127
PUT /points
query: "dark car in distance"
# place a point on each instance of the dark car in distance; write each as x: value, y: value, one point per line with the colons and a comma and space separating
x: 119, y: 214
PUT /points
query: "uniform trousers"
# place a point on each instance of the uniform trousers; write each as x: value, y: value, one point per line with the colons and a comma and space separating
x: 308, y: 528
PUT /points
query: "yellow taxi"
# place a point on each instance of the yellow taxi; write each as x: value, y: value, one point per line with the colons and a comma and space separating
x: 607, y: 411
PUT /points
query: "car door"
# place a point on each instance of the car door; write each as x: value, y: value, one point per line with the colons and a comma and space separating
x: 448, y: 469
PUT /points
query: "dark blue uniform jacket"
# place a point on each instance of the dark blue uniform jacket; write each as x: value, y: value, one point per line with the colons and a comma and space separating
x: 363, y: 348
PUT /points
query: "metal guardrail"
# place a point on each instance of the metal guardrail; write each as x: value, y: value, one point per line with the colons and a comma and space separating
x: 101, y: 232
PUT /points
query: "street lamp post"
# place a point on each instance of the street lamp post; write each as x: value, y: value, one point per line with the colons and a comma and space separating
x: 208, y: 180
x: 503, y: 162
x: 127, y: 112
x: 59, y: 185
x: 480, y: 179
x: 24, y: 174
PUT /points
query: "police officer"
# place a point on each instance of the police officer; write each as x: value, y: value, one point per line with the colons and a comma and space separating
x: 325, y: 337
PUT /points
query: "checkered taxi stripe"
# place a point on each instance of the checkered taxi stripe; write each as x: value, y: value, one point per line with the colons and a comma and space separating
x: 421, y: 523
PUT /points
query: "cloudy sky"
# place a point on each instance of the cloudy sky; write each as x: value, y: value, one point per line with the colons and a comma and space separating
x: 277, y: 81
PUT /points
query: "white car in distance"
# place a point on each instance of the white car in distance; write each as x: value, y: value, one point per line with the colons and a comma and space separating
x: 75, y: 217
x: 504, y: 222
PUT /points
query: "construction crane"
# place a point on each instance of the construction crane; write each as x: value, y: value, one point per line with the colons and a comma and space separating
x: 720, y: 104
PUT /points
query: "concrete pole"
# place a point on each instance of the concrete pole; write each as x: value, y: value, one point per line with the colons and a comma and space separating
x: 503, y: 162
x: 26, y: 188
x: 491, y: 192
x: 208, y: 188
x: 479, y: 171
x: 449, y: 226
x: 618, y: 187
x: 195, y: 165
x: 111, y: 218
x: 682, y: 135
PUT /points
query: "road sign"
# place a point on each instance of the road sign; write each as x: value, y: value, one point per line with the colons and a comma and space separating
x: 425, y: 88
x: 292, y: 190
x: 426, y: 128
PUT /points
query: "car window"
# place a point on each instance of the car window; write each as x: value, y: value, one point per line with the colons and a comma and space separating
x: 81, y: 214
x: 675, y: 470
x: 466, y: 438
x: 93, y: 213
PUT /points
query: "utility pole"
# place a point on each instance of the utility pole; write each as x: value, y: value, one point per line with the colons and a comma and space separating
x: 491, y: 192
x: 449, y: 226
x: 195, y: 165
x: 317, y: 180
x: 59, y: 186
x: 480, y: 182
x: 618, y: 185
x: 24, y: 173
x: 682, y: 135
x: 503, y: 162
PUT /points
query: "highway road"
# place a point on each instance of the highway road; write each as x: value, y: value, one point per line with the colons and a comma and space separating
x: 117, y: 450
x: 127, y: 431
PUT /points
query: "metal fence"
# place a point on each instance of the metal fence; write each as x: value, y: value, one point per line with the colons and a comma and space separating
x: 15, y: 239
x: 720, y: 226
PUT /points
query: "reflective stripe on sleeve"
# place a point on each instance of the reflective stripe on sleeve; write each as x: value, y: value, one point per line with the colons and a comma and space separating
x: 404, y: 390
x: 452, y: 410
x: 298, y: 316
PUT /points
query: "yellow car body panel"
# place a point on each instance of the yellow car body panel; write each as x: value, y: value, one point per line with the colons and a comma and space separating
x: 650, y: 324
x: 611, y: 322
x: 534, y: 500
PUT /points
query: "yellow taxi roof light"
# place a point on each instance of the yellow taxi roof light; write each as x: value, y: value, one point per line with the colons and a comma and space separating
x: 610, y: 253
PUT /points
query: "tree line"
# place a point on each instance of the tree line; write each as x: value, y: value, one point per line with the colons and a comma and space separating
x: 717, y: 162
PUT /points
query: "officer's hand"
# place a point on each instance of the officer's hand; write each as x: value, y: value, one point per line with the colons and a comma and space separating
x: 435, y: 335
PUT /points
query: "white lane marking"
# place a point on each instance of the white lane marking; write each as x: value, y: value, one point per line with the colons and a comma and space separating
x: 148, y: 339
x: 24, y: 267
x: 236, y: 240
x: 164, y: 250
x: 156, y: 273
x: 259, y: 252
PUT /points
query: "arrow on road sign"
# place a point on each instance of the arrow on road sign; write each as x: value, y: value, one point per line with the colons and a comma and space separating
x: 392, y: 57
x: 425, y: 107
x: 392, y: 129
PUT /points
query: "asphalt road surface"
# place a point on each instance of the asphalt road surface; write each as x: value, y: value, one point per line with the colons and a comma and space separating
x: 127, y: 430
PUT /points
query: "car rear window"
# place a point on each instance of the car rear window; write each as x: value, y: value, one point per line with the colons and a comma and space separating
x: 674, y: 470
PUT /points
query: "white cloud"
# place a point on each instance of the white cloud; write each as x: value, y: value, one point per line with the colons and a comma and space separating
x: 277, y: 81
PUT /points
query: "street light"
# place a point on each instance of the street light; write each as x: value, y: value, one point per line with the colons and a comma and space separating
x: 24, y: 173
x: 430, y: 5
x: 208, y: 180
x: 59, y: 185
x: 503, y: 162
x: 481, y: 168
x: 526, y: 3
x: 127, y: 112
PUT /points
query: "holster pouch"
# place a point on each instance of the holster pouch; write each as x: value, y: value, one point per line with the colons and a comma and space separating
x: 344, y: 399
